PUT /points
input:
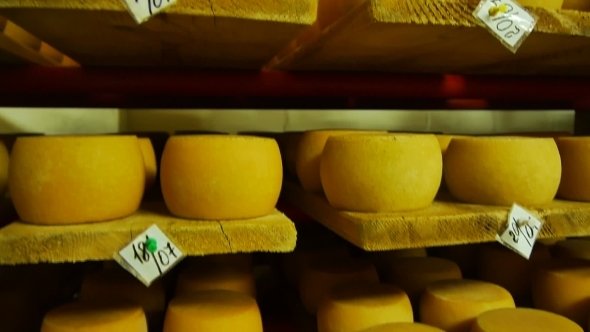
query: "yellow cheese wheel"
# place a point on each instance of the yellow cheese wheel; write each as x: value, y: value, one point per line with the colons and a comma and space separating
x: 581, y: 5
x: 219, y: 177
x: 575, y: 168
x: 219, y: 311
x: 453, y: 305
x: 236, y: 279
x: 309, y: 153
x: 3, y: 169
x: 87, y: 317
x: 383, y: 259
x: 403, y: 327
x: 322, y: 275
x: 296, y: 262
x: 502, y: 170
x: 550, y: 4
x: 381, y: 173
x: 464, y: 255
x: 573, y: 248
x: 103, y: 177
x: 149, y: 160
x: 523, y: 320
x: 563, y: 287
x: 501, y: 266
x: 359, y: 305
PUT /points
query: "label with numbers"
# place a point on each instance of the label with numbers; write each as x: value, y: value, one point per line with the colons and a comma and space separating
x: 521, y: 231
x: 142, y: 10
x: 506, y: 20
x: 150, y: 255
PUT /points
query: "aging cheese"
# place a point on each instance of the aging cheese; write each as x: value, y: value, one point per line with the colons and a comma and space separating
x: 235, y: 279
x: 383, y: 259
x: 88, y: 317
x: 403, y: 327
x: 453, y: 305
x: 3, y: 169
x: 207, y: 311
x: 573, y: 248
x: 221, y: 177
x: 298, y: 261
x: 149, y: 160
x: 502, y: 170
x: 381, y: 172
x: 575, y: 168
x: 523, y: 320
x: 357, y: 305
x: 103, y: 177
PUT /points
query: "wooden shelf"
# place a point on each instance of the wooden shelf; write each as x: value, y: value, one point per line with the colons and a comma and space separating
x: 23, y: 243
x: 443, y: 223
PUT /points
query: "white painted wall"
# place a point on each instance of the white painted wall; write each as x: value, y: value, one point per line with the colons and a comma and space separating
x: 58, y: 121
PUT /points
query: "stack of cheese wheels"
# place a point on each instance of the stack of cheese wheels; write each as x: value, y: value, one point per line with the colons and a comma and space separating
x: 309, y: 152
x: 220, y: 177
x: 573, y: 248
x: 322, y: 275
x: 149, y: 160
x: 465, y: 256
x: 453, y: 305
x: 563, y: 287
x: 289, y: 143
x: 502, y: 170
x: 575, y: 168
x: 215, y: 310
x: 103, y: 177
x: 88, y: 317
x: 501, y: 266
x: 383, y: 259
x: 381, y: 172
x: 359, y: 305
x: 298, y: 261
x: 403, y: 327
x: 523, y: 320
x: 216, y: 277
x: 3, y: 168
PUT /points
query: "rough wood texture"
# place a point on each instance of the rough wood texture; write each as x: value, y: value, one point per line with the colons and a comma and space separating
x: 437, y: 36
x: 443, y: 223
x: 202, y: 33
x: 23, y: 243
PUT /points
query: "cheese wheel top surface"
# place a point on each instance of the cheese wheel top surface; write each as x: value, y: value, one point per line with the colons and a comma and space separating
x: 575, y: 172
x: 523, y: 320
x: 77, y: 316
x: 465, y: 290
x: 403, y: 327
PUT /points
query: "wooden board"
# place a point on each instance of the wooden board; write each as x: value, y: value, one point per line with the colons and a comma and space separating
x: 443, y: 223
x: 202, y: 33
x: 436, y: 36
x: 24, y: 243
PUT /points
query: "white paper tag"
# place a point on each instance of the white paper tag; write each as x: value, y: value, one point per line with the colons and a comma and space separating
x: 150, y: 255
x: 521, y: 231
x: 142, y: 10
x: 506, y: 20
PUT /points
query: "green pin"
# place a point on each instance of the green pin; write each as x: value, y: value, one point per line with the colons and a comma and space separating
x: 151, y: 244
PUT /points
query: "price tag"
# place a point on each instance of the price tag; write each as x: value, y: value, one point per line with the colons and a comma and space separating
x: 150, y: 255
x: 508, y: 21
x: 142, y: 10
x: 521, y: 231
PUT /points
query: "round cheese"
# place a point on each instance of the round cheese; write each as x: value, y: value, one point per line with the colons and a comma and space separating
x: 359, y: 305
x: 464, y: 255
x: 218, y: 277
x: 309, y: 152
x: 502, y: 170
x: 103, y: 177
x: 88, y: 317
x: 3, y: 169
x: 298, y: 261
x: 444, y: 141
x: 219, y: 311
x: 403, y: 327
x: 149, y: 160
x: 575, y: 168
x: 381, y: 173
x: 221, y: 177
x: 523, y: 320
x: 322, y: 275
x: 573, y: 248
x: 563, y: 287
x: 453, y: 305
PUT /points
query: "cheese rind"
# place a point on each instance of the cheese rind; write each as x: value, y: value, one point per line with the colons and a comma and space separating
x: 403, y: 327
x: 523, y: 320
x: 149, y: 160
x: 575, y: 168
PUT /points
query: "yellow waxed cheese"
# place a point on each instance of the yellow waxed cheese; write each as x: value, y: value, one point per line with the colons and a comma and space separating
x: 403, y: 327
x: 502, y: 170
x: 322, y: 275
x: 573, y: 248
x: 298, y: 261
x: 207, y: 311
x: 453, y: 305
x: 358, y: 305
x: 236, y: 279
x: 309, y: 153
x: 149, y: 160
x: 220, y: 177
x: 88, y: 317
x: 4, y: 160
x: 523, y: 320
x: 575, y: 168
x: 381, y: 172
x: 103, y: 177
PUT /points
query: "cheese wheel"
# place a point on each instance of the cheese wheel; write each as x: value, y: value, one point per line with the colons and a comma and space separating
x: 309, y: 152
x: 575, y: 168
x: 289, y: 143
x: 573, y: 248
x: 501, y: 266
x: 581, y: 5
x: 453, y: 305
x: 381, y: 173
x: 444, y: 141
x: 383, y: 259
x: 219, y: 311
x: 236, y: 279
x: 3, y: 169
x: 359, y: 305
x: 103, y: 177
x: 403, y: 327
x: 563, y: 287
x: 464, y: 255
x: 523, y: 320
x: 502, y: 170
x: 149, y: 160
x: 237, y: 260
x: 298, y: 261
x: 550, y: 4
x: 322, y: 275
x: 220, y: 177
x: 87, y: 317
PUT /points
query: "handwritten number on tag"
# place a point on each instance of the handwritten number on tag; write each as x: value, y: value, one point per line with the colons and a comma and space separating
x: 153, y: 4
x: 503, y: 22
x: 516, y: 231
x: 160, y: 257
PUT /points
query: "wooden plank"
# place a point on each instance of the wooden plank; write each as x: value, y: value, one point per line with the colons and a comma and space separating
x: 22, y: 243
x: 437, y: 36
x: 443, y: 223
x: 201, y: 33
